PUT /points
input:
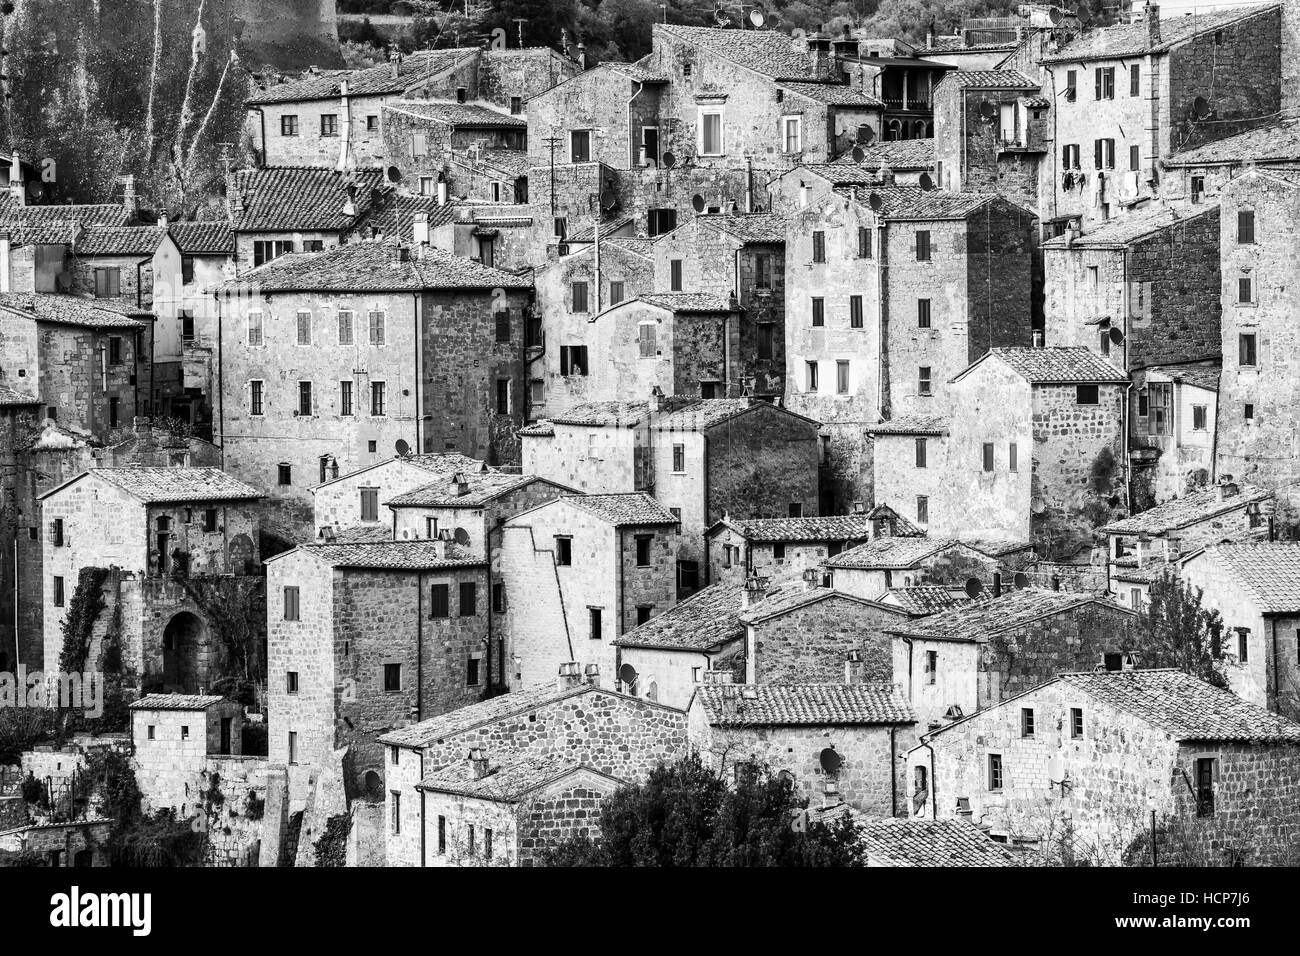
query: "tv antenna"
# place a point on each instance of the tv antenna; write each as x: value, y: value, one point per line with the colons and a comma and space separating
x: 519, y: 22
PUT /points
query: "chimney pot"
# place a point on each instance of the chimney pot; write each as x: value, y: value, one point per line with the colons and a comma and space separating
x: 854, y: 668
x: 1153, y: 23
x: 478, y: 762
x: 593, y: 674
x: 997, y: 583
x: 570, y: 676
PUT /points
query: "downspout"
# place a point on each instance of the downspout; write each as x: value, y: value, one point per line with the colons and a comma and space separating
x: 618, y: 624
x: 419, y: 645
x: 631, y: 146
x: 419, y: 373
x: 893, y: 772
x: 705, y: 458
x: 1125, y: 415
x: 934, y: 784
x: 221, y: 380
x: 882, y: 291
x: 908, y: 642
x: 17, y: 604
x: 1272, y: 626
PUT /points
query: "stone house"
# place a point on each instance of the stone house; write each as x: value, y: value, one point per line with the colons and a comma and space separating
x: 1164, y: 534
x: 1128, y: 95
x: 1255, y: 587
x: 1259, y: 392
x: 171, y: 550
x: 736, y: 547
x: 1036, y: 448
x: 906, y: 160
x: 571, y: 717
x: 887, y: 298
x: 597, y: 447
x: 489, y: 174
x: 365, y: 637
x: 837, y: 741
x: 364, y: 350
x: 19, y: 417
x: 344, y: 502
x: 477, y: 813
x: 1199, y: 174
x: 421, y: 136
x: 908, y: 460
x: 974, y: 655
x: 884, y: 563
x: 938, y: 843
x: 499, y: 235
x: 587, y: 568
x: 34, y: 240
x: 1090, y: 753
x: 1172, y: 428
x: 174, y: 735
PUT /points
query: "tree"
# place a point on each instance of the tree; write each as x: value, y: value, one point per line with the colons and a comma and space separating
x: 1178, y: 631
x: 686, y: 815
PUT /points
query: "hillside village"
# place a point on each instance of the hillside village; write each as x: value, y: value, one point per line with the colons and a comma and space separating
x: 845, y: 409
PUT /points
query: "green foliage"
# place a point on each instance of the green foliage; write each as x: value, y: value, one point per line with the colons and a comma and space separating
x: 21, y: 728
x: 332, y: 846
x: 34, y: 790
x: 686, y: 815
x: 229, y: 606
x: 254, y: 806
x: 1178, y: 631
x: 159, y: 840
x: 79, y: 621
x: 23, y: 859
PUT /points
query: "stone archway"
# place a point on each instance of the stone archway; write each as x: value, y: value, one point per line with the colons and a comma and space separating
x: 184, y: 654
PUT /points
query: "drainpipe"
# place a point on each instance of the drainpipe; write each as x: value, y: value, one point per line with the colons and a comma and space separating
x: 618, y: 623
x: 346, y: 144
x: 419, y: 645
x: 934, y: 784
x: 631, y: 146
x: 221, y: 381
x: 882, y: 290
x: 1272, y: 626
x: 749, y: 183
x: 419, y: 372
x: 893, y: 772
x: 908, y: 642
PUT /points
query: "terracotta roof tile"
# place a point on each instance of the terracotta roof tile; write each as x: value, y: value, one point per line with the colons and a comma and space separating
x: 1123, y: 230
x: 911, y: 425
x: 480, y: 488
x: 76, y: 310
x: 1270, y: 570
x: 56, y: 224
x: 118, y: 241
x: 1274, y: 143
x: 913, y: 202
x: 483, y: 713
x: 631, y: 508
x: 603, y: 414
x: 1054, y: 365
x: 763, y: 51
x: 165, y: 485
x: 176, y: 702
x: 749, y: 227
x: 978, y: 620
x: 390, y: 555
x: 924, y: 599
x: 891, y: 553
x: 1190, y: 509
x: 463, y: 115
x: 1130, y: 39
x: 516, y: 776
x: 991, y: 80
x: 10, y: 397
x: 309, y: 198
x: 792, y: 705
x: 685, y: 301
x: 835, y: 94
x: 939, y: 843
x: 902, y: 154
x: 203, y: 238
x: 372, y: 81
x: 829, y: 528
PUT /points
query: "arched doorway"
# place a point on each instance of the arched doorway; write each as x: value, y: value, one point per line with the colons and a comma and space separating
x: 374, y: 786
x: 184, y: 669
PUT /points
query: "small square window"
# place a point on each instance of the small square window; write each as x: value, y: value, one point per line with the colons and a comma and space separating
x: 392, y: 677
x: 1076, y: 722
x: 185, y: 732
x: 1026, y: 722
x: 995, y: 772
x: 1086, y: 395
x: 291, y: 682
x: 563, y: 551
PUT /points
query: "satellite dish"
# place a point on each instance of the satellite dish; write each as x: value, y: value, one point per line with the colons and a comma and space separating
x: 830, y: 760
x: 757, y: 17
x: 697, y: 202
x: 394, y: 174
x: 1021, y: 579
x: 866, y: 134
x: 1056, y: 769
x: 858, y: 154
x: 875, y: 202
x: 926, y: 182
x: 402, y: 448
x: 1117, y: 335
x: 974, y: 587
x: 1055, y: 15
x: 987, y: 110
x: 627, y: 674
x: 669, y: 160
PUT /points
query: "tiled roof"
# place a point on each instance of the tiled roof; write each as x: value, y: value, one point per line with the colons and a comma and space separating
x: 841, y: 174
x: 506, y: 782
x: 979, y: 620
x: 1190, y: 509
x: 638, y: 73
x: 990, y: 80
x: 375, y: 265
x: 309, y: 198
x: 923, y: 599
x: 540, y: 429
x: 54, y: 224
x: 481, y: 488
x: 917, y: 842
x: 176, y: 702
x: 464, y: 115
x: 390, y: 555
x: 588, y: 234
x: 166, y: 485
x: 1185, y: 707
x: 913, y: 202
x: 511, y: 161
x: 687, y: 301
x: 801, y: 705
x: 477, y: 715
x: 118, y: 241
x: 891, y: 553
x: 362, y: 534
x: 1131, y: 39
x: 630, y: 508
x: 203, y: 238
x: 373, y: 81
x: 996, y: 547
x: 73, y: 310
x: 435, y: 463
x: 635, y: 245
x: 707, y: 412
x: 791, y: 595
x: 1122, y: 230
x: 1054, y: 365
x: 10, y: 397
x: 604, y: 414
x: 911, y: 425
x: 829, y: 528
x: 1275, y: 143
x: 763, y: 51
x: 706, y: 620
x: 835, y: 94
x: 1270, y: 570
x: 1201, y: 374
x: 902, y: 154
x: 750, y: 227
x: 395, y: 215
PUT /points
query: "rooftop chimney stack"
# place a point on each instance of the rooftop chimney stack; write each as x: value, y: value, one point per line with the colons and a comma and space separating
x: 17, y: 188
x: 443, y: 544
x: 755, y: 590
x: 819, y: 55
x: 1153, y: 23
x: 420, y: 229
x: 129, y: 200
x: 656, y: 399
x: 460, y: 484
x: 478, y: 762
x: 854, y: 667
x: 593, y: 674
x: 570, y: 676
x: 997, y: 584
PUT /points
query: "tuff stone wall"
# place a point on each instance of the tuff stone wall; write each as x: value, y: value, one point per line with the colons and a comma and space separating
x: 809, y: 645
x: 569, y: 814
x: 899, y: 481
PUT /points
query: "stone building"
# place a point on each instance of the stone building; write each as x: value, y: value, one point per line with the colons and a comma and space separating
x: 421, y: 137
x: 837, y: 741
x: 938, y: 843
x: 736, y: 548
x: 586, y: 568
x: 1172, y: 429
x: 890, y: 292
x: 1086, y: 752
x: 34, y: 239
x: 365, y: 637
x: 1036, y: 448
x: 885, y: 563
x: 347, y: 503
x: 571, y: 717
x: 1128, y: 95
x: 370, y: 348
x: 1259, y: 392
x: 174, y: 552
x: 974, y: 655
x: 907, y: 161
x: 477, y: 813
x: 1198, y: 175
x: 1255, y: 587
x: 908, y: 459
x: 173, y: 736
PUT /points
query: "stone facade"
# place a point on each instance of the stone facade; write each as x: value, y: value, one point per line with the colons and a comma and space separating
x: 810, y: 643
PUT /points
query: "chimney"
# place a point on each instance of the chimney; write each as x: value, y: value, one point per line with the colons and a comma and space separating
x: 162, y: 221
x: 1153, y: 23
x: 569, y: 677
x: 811, y: 579
x: 755, y: 590
x: 442, y: 190
x: 997, y: 584
x: 17, y: 188
x: 592, y: 672
x: 711, y: 676
x: 1056, y: 582
x: 420, y: 229
x: 478, y: 762
x: 460, y: 483
x: 129, y: 201
x: 963, y: 808
x: 442, y: 546
x: 831, y: 794
x: 929, y: 34
x: 819, y: 55
x: 582, y: 56
x: 859, y: 508
x: 1226, y: 488
x: 842, y: 48
x: 656, y: 399
x: 402, y: 254
x: 854, y: 668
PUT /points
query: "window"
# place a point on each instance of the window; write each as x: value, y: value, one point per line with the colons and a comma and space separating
x: 392, y: 678
x: 1076, y: 722
x: 1103, y: 153
x: 842, y: 377
x: 677, y: 517
x: 369, y: 504
x: 931, y: 666
x: 255, y: 328
x: 377, y: 323
x: 578, y: 297
x: 795, y: 510
x: 430, y: 528
x: 304, y: 398
x: 1246, y: 354
x: 291, y: 682
x: 265, y: 250
x: 988, y: 456
x: 153, y: 731
x: 114, y: 405
x: 1013, y: 458
x: 819, y: 246
x: 1086, y: 394
x: 293, y: 747
x: 1105, y: 82
x: 108, y: 282
x: 187, y: 270
x: 469, y: 843
x: 923, y: 313
x: 58, y: 591
x: 291, y: 603
x: 502, y: 321
x: 187, y: 325
x: 617, y: 293
x: 372, y: 124
x: 995, y: 771
x: 442, y: 835
x: 1026, y: 722
x: 185, y: 732
x: 209, y: 520
x: 1070, y: 156
x: 580, y: 146
x: 923, y: 245
x: 504, y: 397
x: 710, y: 133
x: 646, y: 339
x: 818, y: 312
x: 1245, y: 226
x: 516, y: 105
x: 675, y: 275
x: 1243, y: 645
x: 1205, y: 786
x: 499, y: 598
x: 395, y: 802
x: 594, y: 619
x: 1160, y: 398
x: 289, y: 125
x: 419, y: 145
x: 679, y: 459
x: 439, y: 601
x: 573, y: 360
x: 284, y: 474
x: 766, y: 332
x: 1071, y: 83
x: 329, y: 124
x: 471, y: 671
x: 1198, y: 418
x: 377, y: 398
x: 661, y: 221
x: 1245, y: 290
x: 921, y: 448
x: 1134, y: 158
x: 923, y: 380
x: 1134, y: 80
x: 864, y: 242
x: 810, y: 373
x: 643, y: 542
x: 855, y: 311
x: 345, y: 398
x: 563, y: 551
x: 923, y: 509
x: 255, y: 397
x: 792, y: 134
